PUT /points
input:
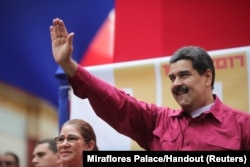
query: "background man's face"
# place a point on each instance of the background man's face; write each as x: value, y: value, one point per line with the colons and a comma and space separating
x: 44, y: 157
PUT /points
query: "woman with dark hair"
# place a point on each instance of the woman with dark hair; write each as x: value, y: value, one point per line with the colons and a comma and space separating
x: 76, y: 136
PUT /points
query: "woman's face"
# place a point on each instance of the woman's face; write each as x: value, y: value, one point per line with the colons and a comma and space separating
x: 70, y: 145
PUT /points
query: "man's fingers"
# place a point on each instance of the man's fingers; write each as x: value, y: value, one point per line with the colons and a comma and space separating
x: 52, y: 34
x: 70, y: 38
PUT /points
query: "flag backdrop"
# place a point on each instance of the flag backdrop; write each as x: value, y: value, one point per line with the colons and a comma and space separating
x: 118, y: 30
x: 26, y: 59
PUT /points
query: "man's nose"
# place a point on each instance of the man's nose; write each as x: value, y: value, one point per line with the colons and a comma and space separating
x: 34, y: 160
x: 177, y: 81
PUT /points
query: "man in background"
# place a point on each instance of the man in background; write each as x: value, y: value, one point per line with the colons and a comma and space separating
x: 9, y: 159
x: 45, y: 154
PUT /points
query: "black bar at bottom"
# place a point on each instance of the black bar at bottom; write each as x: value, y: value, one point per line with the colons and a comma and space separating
x: 166, y: 158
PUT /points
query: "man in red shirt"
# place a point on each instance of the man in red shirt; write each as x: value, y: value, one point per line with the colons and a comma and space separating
x: 202, y: 123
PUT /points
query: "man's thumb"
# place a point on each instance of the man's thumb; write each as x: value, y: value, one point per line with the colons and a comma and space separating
x: 70, y: 38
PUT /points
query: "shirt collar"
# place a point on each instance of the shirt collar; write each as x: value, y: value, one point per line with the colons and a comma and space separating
x: 213, y: 109
x: 201, y: 110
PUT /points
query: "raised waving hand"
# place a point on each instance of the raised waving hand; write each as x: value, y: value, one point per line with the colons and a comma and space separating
x: 62, y: 46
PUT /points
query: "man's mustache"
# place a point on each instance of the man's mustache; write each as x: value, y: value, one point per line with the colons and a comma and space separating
x: 180, y: 89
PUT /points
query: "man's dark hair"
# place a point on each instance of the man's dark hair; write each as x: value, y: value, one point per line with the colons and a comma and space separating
x: 13, y: 155
x: 201, y: 61
x: 51, y: 142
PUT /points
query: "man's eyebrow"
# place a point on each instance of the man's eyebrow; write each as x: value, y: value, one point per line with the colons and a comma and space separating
x: 170, y: 75
x: 40, y: 153
x: 184, y: 72
x: 179, y: 72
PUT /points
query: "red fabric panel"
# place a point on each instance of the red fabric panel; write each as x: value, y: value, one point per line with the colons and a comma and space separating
x: 31, y: 143
x: 156, y: 28
x: 100, y: 50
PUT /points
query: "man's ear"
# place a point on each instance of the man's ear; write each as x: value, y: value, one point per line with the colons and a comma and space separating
x: 58, y: 161
x: 58, y: 155
x: 209, y: 77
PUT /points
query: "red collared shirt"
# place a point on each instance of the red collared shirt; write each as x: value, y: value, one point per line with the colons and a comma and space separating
x: 162, y: 128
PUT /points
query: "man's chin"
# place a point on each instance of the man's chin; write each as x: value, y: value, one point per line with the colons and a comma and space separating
x: 184, y: 105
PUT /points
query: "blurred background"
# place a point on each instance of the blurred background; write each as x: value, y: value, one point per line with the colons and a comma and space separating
x: 106, y: 32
